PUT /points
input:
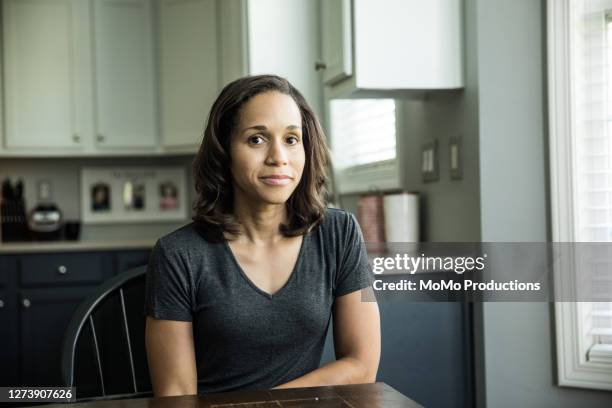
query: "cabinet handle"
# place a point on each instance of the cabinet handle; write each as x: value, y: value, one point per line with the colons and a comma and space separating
x: 320, y: 65
x: 1, y: 303
x: 76, y: 138
x: 26, y: 303
x: 62, y: 270
x: 100, y: 138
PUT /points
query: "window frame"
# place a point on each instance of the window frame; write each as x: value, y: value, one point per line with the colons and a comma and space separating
x: 574, y: 368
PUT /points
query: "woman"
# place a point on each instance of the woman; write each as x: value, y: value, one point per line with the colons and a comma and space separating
x: 242, y: 297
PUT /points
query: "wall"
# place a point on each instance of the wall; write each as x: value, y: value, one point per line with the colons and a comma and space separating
x: 518, y: 337
x: 64, y: 175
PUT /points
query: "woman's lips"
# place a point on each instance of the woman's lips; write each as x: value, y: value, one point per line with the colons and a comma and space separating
x: 276, y: 180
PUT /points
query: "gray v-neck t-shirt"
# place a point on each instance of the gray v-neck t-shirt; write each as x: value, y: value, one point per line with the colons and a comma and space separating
x: 245, y: 338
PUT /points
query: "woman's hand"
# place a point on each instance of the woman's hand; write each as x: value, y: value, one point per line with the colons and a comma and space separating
x: 171, y: 357
x: 356, y: 343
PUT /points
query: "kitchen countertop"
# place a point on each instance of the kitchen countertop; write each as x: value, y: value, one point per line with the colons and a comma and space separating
x: 60, y: 246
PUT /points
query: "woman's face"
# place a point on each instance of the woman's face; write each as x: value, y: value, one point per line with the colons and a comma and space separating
x: 267, y: 149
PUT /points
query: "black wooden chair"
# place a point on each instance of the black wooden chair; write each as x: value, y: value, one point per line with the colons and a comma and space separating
x: 103, y: 353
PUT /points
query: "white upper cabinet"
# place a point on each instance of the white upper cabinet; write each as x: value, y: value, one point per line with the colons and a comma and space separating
x: 39, y: 72
x: 396, y: 45
x: 79, y: 77
x: 125, y: 97
x: 188, y: 69
x: 282, y: 37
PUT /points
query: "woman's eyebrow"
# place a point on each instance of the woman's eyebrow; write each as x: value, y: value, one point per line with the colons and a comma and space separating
x: 264, y: 128
x: 256, y: 127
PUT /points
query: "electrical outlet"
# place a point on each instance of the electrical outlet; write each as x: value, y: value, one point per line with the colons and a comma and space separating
x: 44, y: 190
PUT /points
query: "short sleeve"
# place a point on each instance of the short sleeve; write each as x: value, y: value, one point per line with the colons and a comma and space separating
x: 168, y: 288
x: 354, y: 272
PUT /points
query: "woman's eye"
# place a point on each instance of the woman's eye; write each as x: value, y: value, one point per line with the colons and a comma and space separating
x: 255, y: 140
x: 293, y: 140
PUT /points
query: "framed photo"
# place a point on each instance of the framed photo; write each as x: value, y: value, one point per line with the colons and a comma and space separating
x: 168, y: 196
x: 100, y: 197
x: 133, y: 194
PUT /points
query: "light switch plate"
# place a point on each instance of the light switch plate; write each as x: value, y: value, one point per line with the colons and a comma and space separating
x: 455, y: 159
x: 429, y: 161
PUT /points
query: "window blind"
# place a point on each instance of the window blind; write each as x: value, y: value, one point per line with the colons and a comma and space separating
x: 362, y: 131
x: 593, y: 141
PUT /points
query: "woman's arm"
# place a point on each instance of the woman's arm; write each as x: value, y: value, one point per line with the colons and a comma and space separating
x: 356, y: 342
x: 171, y: 357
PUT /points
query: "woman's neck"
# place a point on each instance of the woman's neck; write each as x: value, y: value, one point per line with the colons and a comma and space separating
x: 259, y: 223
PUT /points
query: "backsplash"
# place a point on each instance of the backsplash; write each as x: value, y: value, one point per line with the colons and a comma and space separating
x: 63, y: 175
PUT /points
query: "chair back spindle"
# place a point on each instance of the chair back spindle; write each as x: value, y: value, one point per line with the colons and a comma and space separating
x: 108, y: 365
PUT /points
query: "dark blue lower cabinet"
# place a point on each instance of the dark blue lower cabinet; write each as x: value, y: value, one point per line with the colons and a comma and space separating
x: 131, y: 259
x: 8, y: 271
x: 9, y: 323
x: 9, y: 339
x: 44, y: 315
x: 426, y: 350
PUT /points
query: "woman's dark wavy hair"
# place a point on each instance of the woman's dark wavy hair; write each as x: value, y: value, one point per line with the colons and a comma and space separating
x: 211, y: 167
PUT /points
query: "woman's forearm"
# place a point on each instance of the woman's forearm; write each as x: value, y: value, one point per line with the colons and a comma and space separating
x: 346, y: 370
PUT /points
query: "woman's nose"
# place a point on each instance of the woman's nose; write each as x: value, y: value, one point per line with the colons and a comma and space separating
x: 277, y: 153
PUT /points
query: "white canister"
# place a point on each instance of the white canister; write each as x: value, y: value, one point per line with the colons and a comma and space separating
x: 401, y: 217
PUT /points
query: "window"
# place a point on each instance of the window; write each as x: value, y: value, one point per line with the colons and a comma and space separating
x: 596, y: 168
x: 363, y: 143
x: 580, y: 108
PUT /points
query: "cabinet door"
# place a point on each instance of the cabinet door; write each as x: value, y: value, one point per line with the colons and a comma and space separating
x: 9, y: 343
x: 281, y: 43
x: 426, y: 347
x: 40, y: 85
x: 9, y: 374
x: 124, y: 76
x: 188, y: 68
x: 44, y: 317
x: 337, y: 42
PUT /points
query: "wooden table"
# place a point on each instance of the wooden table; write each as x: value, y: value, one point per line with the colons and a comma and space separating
x: 338, y: 396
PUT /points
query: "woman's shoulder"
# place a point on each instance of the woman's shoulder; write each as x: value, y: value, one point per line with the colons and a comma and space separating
x: 184, y: 239
x: 337, y: 221
x: 333, y: 214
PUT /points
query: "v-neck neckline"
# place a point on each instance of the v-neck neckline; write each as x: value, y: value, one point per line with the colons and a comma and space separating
x: 257, y: 288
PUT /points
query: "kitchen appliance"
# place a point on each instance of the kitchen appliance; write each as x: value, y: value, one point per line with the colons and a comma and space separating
x: 45, y: 222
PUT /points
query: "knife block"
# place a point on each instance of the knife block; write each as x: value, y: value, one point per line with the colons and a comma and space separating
x: 13, y: 221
